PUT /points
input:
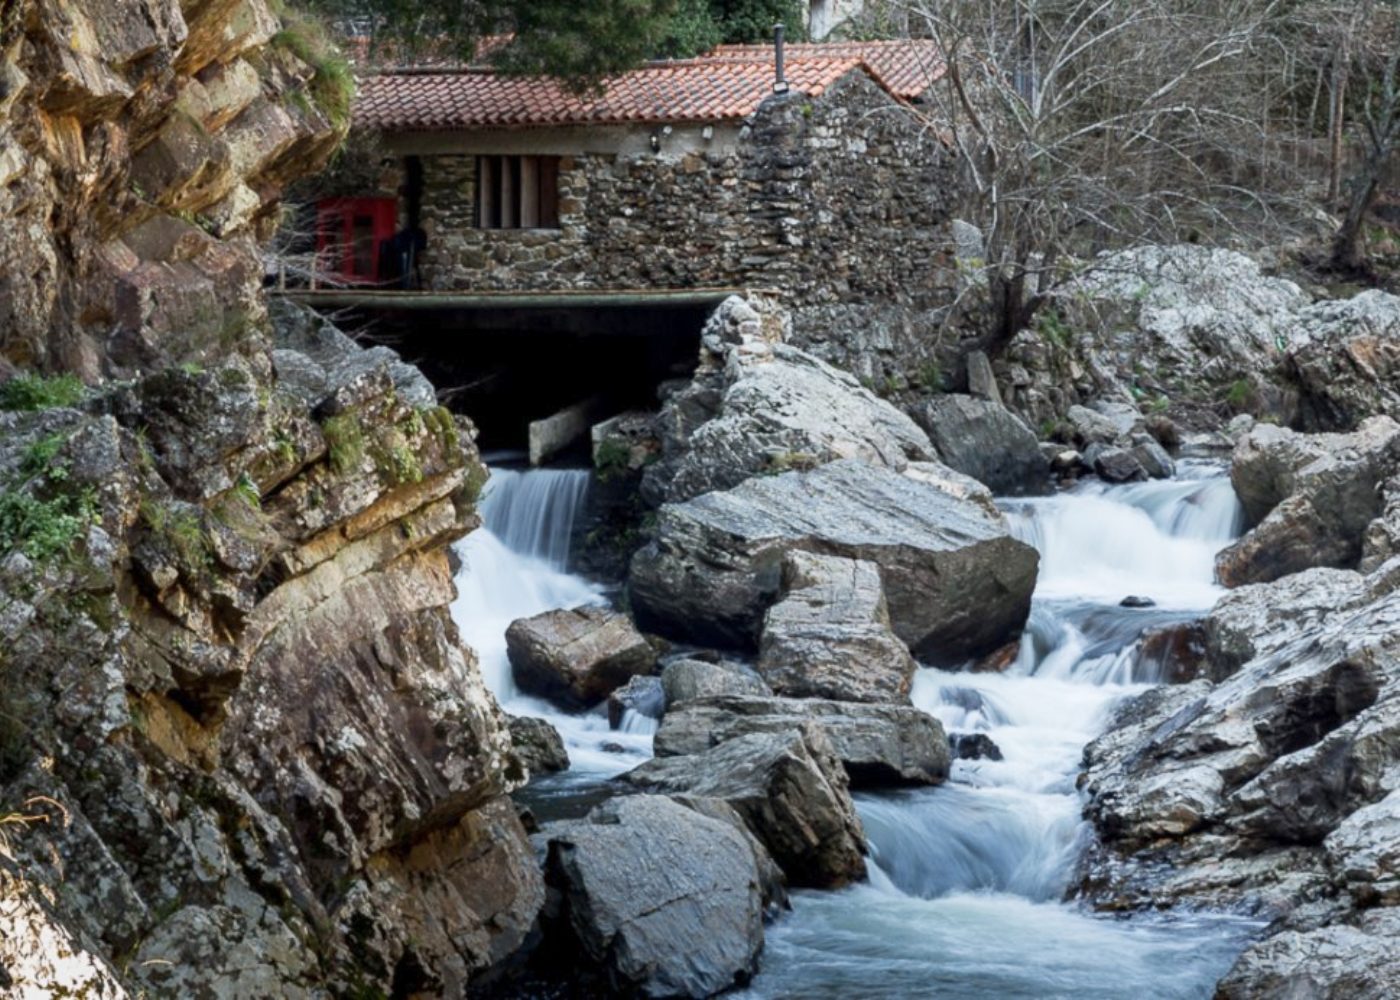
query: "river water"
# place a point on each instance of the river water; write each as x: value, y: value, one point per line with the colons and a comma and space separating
x: 965, y: 897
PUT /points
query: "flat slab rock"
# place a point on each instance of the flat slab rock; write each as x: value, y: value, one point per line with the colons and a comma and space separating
x: 662, y: 900
x: 879, y: 745
x: 789, y: 788
x: 1332, y: 963
x: 578, y: 657
x: 956, y: 583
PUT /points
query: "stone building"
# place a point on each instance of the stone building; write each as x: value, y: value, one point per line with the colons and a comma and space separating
x: 828, y: 187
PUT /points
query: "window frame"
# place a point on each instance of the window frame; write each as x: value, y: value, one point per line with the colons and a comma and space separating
x: 517, y: 192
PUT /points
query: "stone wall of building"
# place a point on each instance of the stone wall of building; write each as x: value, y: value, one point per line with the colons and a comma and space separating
x: 840, y: 204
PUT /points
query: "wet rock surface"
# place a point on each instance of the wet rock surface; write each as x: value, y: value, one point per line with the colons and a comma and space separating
x: 879, y: 745
x: 685, y: 680
x: 956, y: 583
x: 538, y: 745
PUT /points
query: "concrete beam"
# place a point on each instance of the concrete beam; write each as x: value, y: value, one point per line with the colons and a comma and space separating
x: 550, y: 436
x: 342, y: 298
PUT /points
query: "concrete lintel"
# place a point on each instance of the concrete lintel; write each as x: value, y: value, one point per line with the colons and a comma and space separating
x: 341, y: 298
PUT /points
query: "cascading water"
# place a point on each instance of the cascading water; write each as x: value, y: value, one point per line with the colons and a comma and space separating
x: 514, y: 566
x: 966, y: 879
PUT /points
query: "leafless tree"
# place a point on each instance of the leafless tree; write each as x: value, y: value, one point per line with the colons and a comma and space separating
x: 1093, y: 124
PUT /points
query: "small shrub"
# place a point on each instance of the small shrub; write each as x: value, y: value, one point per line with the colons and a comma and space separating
x: 36, y: 392
x: 1052, y: 327
x: 247, y: 491
x: 41, y: 514
x: 332, y: 85
x: 931, y: 376
x: 1239, y: 393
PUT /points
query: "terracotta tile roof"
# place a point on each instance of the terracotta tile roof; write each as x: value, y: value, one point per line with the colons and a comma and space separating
x: 729, y: 84
x: 905, y: 67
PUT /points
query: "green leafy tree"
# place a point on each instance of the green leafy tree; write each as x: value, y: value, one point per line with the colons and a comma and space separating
x: 579, y: 42
x: 753, y: 20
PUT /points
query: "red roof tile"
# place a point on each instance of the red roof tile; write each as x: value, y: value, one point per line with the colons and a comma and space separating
x: 726, y: 85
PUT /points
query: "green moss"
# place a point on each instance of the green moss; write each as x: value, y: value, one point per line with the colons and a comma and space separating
x: 398, y: 464
x: 36, y: 392
x: 477, y: 476
x: 345, y: 439
x: 1239, y: 393
x: 443, y: 426
x: 612, y: 459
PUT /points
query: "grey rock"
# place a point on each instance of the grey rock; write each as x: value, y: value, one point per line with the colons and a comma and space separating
x: 791, y: 791
x: 1344, y: 358
x: 1331, y: 963
x: 984, y: 440
x: 973, y: 746
x: 1091, y: 427
x: 1364, y: 851
x: 879, y: 745
x: 764, y: 407
x: 1261, y: 618
x: 980, y: 380
x: 685, y: 680
x: 576, y: 658
x: 1118, y: 465
x: 1325, y: 493
x: 667, y: 902
x: 830, y: 635
x: 956, y: 583
x: 1153, y: 458
x: 538, y: 745
x: 642, y: 694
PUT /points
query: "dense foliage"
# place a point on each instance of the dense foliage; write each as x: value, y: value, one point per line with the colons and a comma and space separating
x: 581, y: 42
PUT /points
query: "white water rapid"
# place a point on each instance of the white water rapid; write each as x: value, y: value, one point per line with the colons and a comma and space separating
x: 966, y: 880
x: 514, y: 567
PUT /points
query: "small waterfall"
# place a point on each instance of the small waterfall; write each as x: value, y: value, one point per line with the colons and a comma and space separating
x: 963, y: 899
x: 515, y: 566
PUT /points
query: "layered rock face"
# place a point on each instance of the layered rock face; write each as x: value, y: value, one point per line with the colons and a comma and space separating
x: 269, y: 766
x: 245, y: 694
x: 143, y: 148
x: 1273, y: 791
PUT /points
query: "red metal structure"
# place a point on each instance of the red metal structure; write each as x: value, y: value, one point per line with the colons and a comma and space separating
x: 350, y: 233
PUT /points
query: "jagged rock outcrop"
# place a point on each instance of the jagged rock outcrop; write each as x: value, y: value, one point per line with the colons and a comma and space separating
x: 144, y: 146
x: 226, y: 625
x: 1191, y: 326
x: 1344, y: 358
x: 790, y: 789
x: 1330, y: 963
x: 956, y: 583
x: 879, y: 745
x: 1312, y: 496
x: 830, y: 636
x: 576, y: 657
x: 538, y: 745
x: 758, y: 406
x: 664, y: 900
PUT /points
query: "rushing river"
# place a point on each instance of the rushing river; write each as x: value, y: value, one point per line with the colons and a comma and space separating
x: 965, y: 897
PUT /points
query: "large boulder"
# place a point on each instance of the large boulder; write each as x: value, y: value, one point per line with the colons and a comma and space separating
x: 879, y: 745
x: 791, y: 791
x: 757, y: 406
x: 983, y: 439
x: 1235, y: 784
x: 830, y: 636
x: 576, y: 657
x: 1344, y: 358
x: 1332, y: 496
x: 1331, y: 963
x: 664, y: 901
x: 956, y: 583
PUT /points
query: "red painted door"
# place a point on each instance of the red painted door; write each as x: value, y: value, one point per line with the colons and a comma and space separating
x: 349, y: 235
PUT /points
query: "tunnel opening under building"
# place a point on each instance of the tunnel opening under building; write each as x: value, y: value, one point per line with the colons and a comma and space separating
x: 541, y: 374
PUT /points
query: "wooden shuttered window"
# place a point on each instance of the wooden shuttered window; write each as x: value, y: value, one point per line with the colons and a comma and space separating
x: 517, y: 192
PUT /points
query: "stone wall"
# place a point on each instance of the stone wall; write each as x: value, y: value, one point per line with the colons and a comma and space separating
x: 840, y: 203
